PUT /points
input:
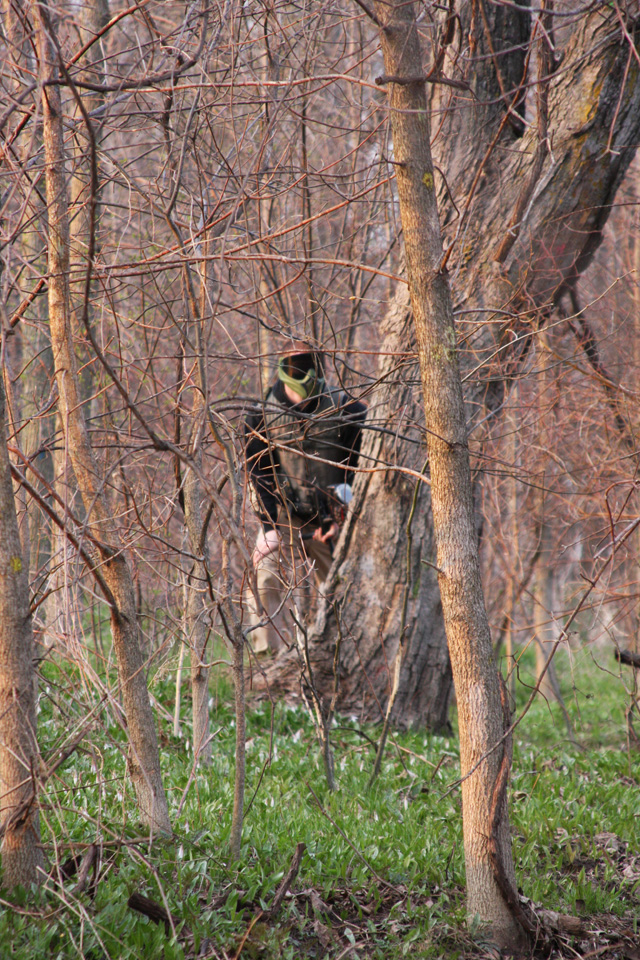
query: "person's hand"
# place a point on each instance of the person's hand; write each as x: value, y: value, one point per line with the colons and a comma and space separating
x: 268, y: 541
x: 331, y: 533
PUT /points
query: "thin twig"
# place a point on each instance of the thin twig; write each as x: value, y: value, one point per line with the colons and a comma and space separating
x: 288, y: 879
x: 385, y: 883
x: 370, y: 14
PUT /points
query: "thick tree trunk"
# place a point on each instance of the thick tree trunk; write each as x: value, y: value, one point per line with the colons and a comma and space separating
x: 144, y: 761
x: 492, y: 166
x: 561, y: 185
x: 21, y: 852
x: 480, y: 711
x: 369, y: 582
x: 370, y: 567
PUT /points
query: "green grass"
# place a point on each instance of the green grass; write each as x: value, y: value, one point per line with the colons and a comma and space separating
x: 408, y: 829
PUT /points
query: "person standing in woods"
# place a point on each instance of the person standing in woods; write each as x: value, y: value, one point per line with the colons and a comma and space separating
x: 302, y: 446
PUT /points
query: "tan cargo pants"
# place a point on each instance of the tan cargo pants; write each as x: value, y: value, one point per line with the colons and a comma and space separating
x: 282, y: 578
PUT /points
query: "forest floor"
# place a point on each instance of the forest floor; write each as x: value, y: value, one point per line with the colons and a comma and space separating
x: 382, y: 873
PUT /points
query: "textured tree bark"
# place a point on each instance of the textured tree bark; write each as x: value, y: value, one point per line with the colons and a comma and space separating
x: 480, y: 712
x: 15, y: 27
x: 592, y: 130
x: 368, y: 576
x: 487, y: 154
x: 144, y: 762
x: 371, y: 573
x: 93, y: 16
x: 21, y: 852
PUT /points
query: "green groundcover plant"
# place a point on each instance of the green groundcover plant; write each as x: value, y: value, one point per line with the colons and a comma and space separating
x: 382, y: 871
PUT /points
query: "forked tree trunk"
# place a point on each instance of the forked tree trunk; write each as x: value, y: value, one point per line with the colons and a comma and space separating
x: 493, y: 168
x: 21, y: 852
x: 144, y: 762
x: 480, y: 711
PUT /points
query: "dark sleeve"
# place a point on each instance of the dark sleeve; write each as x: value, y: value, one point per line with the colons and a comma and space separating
x: 354, y: 413
x: 261, y: 463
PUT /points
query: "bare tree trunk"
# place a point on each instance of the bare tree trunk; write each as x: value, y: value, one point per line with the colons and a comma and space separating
x: 144, y: 762
x: 489, y: 158
x: 26, y: 340
x: 635, y: 646
x: 196, y: 607
x: 14, y: 24
x: 83, y: 223
x: 544, y: 575
x: 513, y: 528
x: 543, y: 614
x: 22, y: 855
x: 240, y: 751
x: 366, y: 583
x: 93, y: 15
x: 480, y: 711
x: 62, y: 615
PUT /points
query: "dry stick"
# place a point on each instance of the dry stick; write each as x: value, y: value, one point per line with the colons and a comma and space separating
x: 555, y: 686
x: 628, y: 658
x: 421, y: 78
x: 149, y: 908
x: 400, y: 650
x: 522, y: 586
x: 122, y: 85
x: 267, y: 761
x: 307, y: 233
x: 369, y: 13
x: 227, y: 612
x: 385, y: 883
x: 254, y: 920
x: 241, y: 740
x: 158, y: 442
x: 53, y: 495
x: 585, y: 336
x: 281, y: 892
x: 226, y: 609
x: 89, y: 860
x: 40, y: 287
x: 288, y: 879
x: 147, y: 775
x: 194, y: 772
x: 236, y: 639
